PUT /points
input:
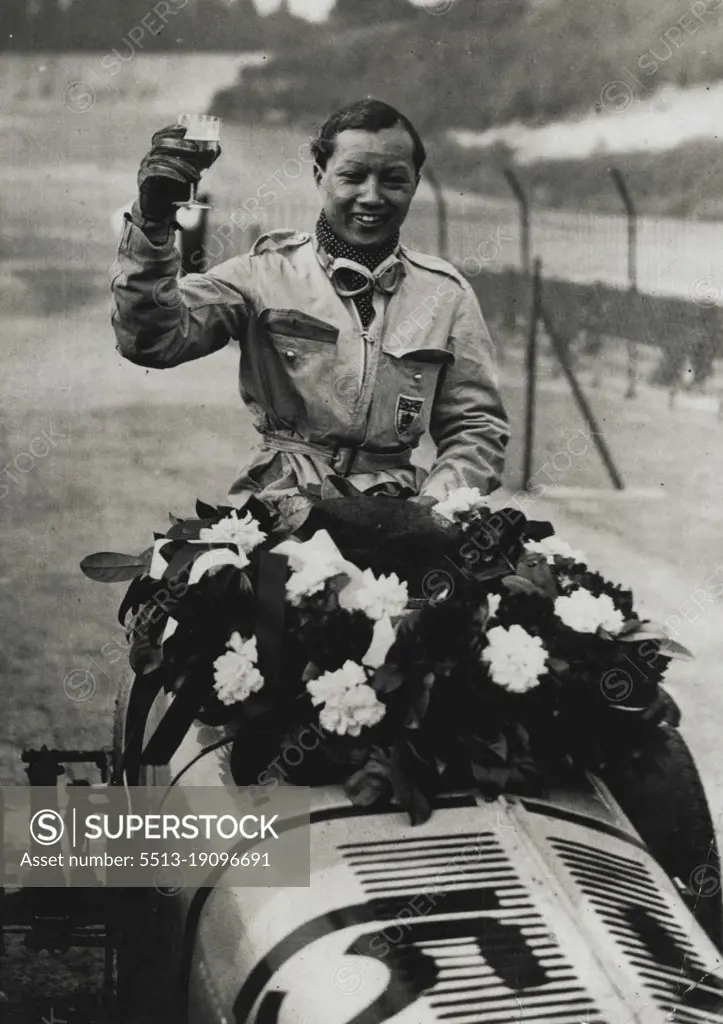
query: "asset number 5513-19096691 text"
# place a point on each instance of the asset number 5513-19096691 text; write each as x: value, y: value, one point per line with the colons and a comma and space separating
x: 174, y: 859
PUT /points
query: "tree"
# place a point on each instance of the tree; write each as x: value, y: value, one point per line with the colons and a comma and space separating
x: 14, y: 28
x: 352, y: 13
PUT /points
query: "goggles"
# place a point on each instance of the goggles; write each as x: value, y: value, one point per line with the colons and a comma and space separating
x: 385, y: 278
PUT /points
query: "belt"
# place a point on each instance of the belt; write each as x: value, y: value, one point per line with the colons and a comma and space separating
x: 342, y: 460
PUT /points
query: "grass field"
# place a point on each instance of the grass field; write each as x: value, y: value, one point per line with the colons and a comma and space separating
x: 123, y: 446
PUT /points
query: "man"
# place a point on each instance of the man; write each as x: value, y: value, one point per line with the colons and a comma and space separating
x: 352, y: 346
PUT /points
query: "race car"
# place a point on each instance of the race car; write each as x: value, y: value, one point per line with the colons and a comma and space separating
x: 558, y: 909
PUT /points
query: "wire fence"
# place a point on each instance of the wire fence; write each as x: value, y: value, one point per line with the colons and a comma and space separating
x: 650, y: 280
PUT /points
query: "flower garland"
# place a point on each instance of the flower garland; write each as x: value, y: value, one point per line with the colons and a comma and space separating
x: 525, y: 665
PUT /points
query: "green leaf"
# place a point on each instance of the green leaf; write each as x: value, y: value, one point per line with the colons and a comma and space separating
x: 145, y: 657
x: 189, y: 529
x: 672, y: 649
x: 534, y: 567
x: 370, y: 784
x: 500, y: 748
x: 113, y: 567
x: 407, y: 792
x: 204, y: 511
x: 485, y: 775
x: 633, y: 631
x: 387, y: 679
x: 294, y: 510
x: 558, y: 666
x: 520, y: 585
x: 136, y: 593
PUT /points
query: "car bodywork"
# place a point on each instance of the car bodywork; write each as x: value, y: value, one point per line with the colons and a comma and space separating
x: 548, y: 910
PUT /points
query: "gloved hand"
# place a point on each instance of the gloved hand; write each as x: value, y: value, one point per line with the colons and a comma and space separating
x: 168, y: 170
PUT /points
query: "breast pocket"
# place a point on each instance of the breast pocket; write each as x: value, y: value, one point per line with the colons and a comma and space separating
x: 411, y: 380
x: 299, y: 356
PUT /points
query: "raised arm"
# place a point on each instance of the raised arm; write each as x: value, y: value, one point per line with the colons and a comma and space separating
x: 159, y: 320
x: 469, y: 423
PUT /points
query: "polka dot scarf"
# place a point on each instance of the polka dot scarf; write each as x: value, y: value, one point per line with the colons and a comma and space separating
x: 369, y: 258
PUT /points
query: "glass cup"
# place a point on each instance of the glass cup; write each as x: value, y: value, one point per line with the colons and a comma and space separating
x: 205, y: 131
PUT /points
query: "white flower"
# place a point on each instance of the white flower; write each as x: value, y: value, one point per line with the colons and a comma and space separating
x: 215, y: 559
x: 350, y: 704
x: 382, y: 639
x: 309, y: 580
x: 376, y: 596
x: 330, y: 686
x: 313, y: 562
x: 244, y: 533
x: 585, y: 613
x: 235, y: 672
x: 493, y: 604
x: 516, y: 659
x: 462, y: 499
x: 551, y: 546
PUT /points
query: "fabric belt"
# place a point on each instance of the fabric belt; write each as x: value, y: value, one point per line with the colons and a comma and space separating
x: 343, y: 461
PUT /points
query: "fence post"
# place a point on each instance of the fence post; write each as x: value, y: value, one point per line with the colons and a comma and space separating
x: 579, y: 395
x: 442, y: 217
x: 519, y: 194
x: 632, y: 215
x: 531, y: 373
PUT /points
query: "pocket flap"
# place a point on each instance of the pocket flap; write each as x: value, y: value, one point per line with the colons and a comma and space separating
x: 428, y: 354
x: 292, y: 323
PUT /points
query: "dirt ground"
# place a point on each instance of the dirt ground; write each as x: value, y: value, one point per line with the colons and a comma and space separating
x: 121, y: 447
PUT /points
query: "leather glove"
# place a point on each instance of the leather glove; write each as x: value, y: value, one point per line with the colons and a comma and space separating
x: 167, y: 172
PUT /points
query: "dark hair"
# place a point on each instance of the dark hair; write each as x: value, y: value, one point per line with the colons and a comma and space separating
x: 366, y: 115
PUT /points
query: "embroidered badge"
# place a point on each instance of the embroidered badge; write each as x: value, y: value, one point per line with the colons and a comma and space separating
x: 407, y: 413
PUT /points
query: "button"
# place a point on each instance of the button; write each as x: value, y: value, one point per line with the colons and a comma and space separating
x: 417, y: 377
x: 290, y: 354
x: 300, y: 237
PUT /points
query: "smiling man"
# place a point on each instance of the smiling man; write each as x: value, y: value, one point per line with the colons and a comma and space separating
x: 352, y: 345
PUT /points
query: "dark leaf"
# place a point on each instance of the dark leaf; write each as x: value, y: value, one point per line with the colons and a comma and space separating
x: 405, y: 785
x: 538, y: 530
x: 145, y: 657
x: 672, y: 649
x: 558, y: 666
x: 294, y: 510
x: 112, y: 567
x: 535, y: 568
x: 485, y: 775
x: 204, y: 511
x: 419, y: 707
x: 179, y: 566
x: 175, y: 520
x: 370, y: 784
x: 638, y: 631
x: 136, y: 593
x: 632, y: 626
x: 189, y: 529
x: 500, y: 748
x: 338, y: 487
x: 492, y: 570
x: 520, y: 585
x: 387, y: 679
x: 335, y: 584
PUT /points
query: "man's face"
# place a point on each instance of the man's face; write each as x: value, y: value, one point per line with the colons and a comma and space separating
x: 367, y: 185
